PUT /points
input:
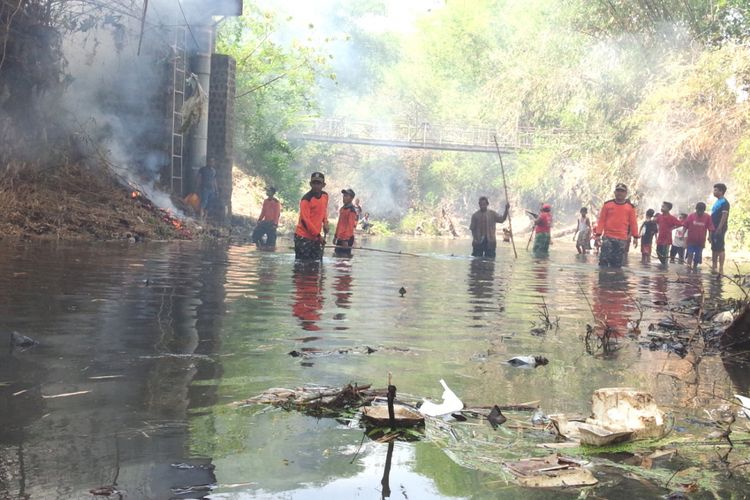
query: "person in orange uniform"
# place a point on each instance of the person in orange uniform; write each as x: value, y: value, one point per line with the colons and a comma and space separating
x: 268, y: 220
x: 617, y: 223
x: 313, y: 219
x: 344, y: 238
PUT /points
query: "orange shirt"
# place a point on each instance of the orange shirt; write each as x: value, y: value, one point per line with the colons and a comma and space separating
x: 347, y: 222
x: 271, y: 211
x: 313, y: 212
x: 617, y: 220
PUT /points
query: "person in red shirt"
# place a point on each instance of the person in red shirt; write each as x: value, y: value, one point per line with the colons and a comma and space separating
x: 616, y: 225
x: 268, y: 220
x: 313, y: 220
x: 666, y: 222
x: 344, y: 236
x: 542, y: 228
x: 697, y: 224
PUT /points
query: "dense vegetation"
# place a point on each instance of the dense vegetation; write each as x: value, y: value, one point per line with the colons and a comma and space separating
x: 652, y: 93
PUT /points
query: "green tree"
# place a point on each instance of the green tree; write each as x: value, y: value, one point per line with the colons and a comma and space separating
x: 275, y: 87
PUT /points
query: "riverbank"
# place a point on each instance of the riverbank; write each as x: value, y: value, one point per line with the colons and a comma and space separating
x: 76, y: 202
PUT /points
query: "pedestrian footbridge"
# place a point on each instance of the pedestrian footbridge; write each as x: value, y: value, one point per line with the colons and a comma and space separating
x: 473, y: 139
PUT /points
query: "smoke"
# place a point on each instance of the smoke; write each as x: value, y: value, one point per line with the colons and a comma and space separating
x: 122, y: 98
x: 626, y: 71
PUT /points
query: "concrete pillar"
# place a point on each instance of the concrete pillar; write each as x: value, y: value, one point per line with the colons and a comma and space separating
x: 200, y: 64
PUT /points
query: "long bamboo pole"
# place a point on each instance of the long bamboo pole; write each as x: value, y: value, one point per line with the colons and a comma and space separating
x: 505, y: 186
x: 372, y: 250
x: 143, y: 25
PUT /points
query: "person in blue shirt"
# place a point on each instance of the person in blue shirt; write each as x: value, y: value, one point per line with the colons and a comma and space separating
x: 719, y: 217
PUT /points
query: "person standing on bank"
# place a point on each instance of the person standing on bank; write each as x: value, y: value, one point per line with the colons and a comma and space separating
x: 483, y: 227
x: 344, y: 237
x: 719, y: 218
x: 616, y: 225
x: 206, y: 186
x: 268, y: 220
x: 313, y: 220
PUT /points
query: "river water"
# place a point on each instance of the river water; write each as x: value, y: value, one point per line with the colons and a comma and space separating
x: 143, y: 347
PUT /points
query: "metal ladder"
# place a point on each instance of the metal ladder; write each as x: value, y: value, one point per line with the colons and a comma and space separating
x: 178, y: 99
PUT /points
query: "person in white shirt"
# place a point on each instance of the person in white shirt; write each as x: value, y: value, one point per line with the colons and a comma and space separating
x: 678, y: 242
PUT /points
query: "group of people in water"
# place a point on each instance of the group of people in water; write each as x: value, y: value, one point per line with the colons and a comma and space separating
x: 682, y: 237
x: 312, y: 226
x: 617, y: 226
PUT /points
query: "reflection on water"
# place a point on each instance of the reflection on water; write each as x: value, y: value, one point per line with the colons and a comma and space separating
x: 611, y: 294
x: 308, y: 278
x: 158, y: 338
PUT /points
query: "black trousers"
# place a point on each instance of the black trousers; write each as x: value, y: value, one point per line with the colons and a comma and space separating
x: 484, y: 249
x: 343, y: 252
x: 266, y: 228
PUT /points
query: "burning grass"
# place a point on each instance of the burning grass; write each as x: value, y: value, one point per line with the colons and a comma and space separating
x: 75, y: 202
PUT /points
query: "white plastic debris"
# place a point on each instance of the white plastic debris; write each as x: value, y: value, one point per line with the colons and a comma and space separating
x: 450, y: 403
x: 723, y: 317
x: 745, y: 404
x: 622, y: 409
x: 527, y: 361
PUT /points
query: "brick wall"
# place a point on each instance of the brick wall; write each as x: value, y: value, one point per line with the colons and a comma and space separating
x: 221, y: 128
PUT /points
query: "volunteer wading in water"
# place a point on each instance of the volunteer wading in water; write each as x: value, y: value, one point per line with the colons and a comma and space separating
x: 313, y: 218
x: 344, y: 236
x: 483, y: 227
x: 616, y: 224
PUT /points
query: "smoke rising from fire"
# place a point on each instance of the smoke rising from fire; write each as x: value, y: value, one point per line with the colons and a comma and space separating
x: 120, y: 97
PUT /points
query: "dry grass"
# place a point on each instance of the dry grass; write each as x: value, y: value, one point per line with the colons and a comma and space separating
x: 72, y: 202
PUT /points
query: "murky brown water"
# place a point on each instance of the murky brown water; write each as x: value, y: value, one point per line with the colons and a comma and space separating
x: 162, y: 336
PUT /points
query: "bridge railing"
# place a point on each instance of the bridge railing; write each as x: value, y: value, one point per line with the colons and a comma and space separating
x: 431, y: 135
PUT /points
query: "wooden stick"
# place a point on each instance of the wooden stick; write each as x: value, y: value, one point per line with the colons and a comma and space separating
x: 371, y: 250
x: 374, y: 250
x: 143, y: 25
x: 505, y: 186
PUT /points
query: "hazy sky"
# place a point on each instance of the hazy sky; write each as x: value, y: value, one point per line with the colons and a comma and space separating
x: 400, y: 15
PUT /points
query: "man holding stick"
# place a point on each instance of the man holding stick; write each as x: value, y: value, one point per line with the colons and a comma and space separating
x: 483, y: 227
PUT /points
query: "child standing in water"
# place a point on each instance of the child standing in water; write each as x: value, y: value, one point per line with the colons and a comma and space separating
x: 582, y: 236
x: 666, y: 223
x: 678, y: 242
x: 648, y: 231
x: 697, y: 224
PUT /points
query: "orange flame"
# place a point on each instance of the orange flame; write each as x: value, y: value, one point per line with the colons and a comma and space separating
x: 134, y: 194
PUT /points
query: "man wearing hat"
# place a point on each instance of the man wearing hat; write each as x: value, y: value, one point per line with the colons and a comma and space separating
x: 344, y: 238
x: 313, y: 219
x: 617, y: 224
x: 268, y: 220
